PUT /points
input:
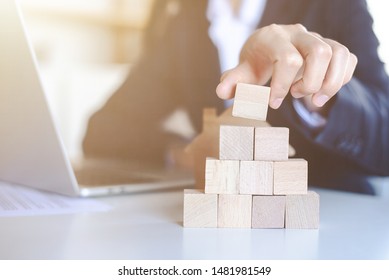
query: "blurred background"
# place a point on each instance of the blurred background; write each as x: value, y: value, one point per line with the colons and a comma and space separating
x: 85, y: 49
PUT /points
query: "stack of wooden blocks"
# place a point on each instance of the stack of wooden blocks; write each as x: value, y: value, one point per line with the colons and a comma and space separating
x: 253, y: 184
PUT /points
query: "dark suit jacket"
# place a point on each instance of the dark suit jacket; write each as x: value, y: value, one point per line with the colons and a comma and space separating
x: 180, y: 68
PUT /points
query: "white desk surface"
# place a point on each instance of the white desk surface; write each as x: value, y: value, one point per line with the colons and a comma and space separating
x: 149, y: 226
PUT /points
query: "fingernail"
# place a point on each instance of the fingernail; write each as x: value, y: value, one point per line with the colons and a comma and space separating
x: 321, y: 100
x: 220, y: 91
x: 276, y: 103
x: 223, y: 89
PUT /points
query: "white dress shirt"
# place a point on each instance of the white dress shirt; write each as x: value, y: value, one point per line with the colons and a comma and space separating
x: 229, y: 31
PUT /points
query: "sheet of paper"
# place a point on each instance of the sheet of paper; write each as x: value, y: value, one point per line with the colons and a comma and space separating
x: 21, y: 201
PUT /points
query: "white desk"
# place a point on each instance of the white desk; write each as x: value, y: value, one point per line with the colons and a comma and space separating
x: 149, y: 226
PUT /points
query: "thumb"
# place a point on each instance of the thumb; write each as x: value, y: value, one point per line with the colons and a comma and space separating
x: 240, y: 74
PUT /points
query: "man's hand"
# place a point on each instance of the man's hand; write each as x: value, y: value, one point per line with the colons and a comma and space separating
x: 296, y: 60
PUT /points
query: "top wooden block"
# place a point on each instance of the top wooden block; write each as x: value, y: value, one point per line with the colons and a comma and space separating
x: 251, y: 101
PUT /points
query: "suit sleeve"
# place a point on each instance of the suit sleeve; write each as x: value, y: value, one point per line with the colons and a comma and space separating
x: 358, y: 121
x: 129, y: 123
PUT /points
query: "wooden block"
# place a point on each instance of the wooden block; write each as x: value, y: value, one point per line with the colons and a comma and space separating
x: 271, y: 143
x: 200, y: 209
x: 206, y: 144
x: 256, y: 177
x: 302, y: 211
x: 268, y: 211
x: 236, y: 142
x: 251, y: 101
x: 290, y: 177
x: 234, y: 211
x: 221, y: 176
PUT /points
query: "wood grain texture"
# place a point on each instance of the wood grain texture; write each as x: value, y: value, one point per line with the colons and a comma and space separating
x: 206, y: 144
x: 256, y: 177
x: 268, y: 211
x: 200, y: 209
x: 271, y: 143
x: 221, y: 176
x: 236, y: 142
x: 251, y: 101
x: 290, y: 177
x: 302, y: 211
x: 234, y: 211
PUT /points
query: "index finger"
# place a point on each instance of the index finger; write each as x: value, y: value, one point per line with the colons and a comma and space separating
x: 287, y: 62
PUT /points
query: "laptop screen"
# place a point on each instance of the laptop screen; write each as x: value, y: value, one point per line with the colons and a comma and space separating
x: 31, y: 151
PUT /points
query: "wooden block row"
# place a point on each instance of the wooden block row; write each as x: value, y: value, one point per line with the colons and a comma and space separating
x: 203, y: 210
x: 289, y: 211
x: 256, y: 177
x: 251, y: 101
x: 247, y: 211
x: 249, y: 143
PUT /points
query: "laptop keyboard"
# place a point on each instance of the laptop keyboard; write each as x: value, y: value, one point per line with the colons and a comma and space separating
x: 103, y: 177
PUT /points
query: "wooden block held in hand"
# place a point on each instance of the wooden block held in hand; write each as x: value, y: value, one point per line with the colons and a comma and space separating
x: 268, y: 211
x: 251, y: 101
x: 221, y: 176
x: 256, y: 177
x: 234, y: 211
x: 290, y: 177
x: 271, y: 143
x: 302, y: 211
x: 236, y: 142
x: 200, y: 209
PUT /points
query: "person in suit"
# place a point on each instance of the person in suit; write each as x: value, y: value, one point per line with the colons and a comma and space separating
x: 306, y: 50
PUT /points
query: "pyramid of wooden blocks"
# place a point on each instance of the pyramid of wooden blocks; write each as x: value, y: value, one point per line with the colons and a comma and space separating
x: 253, y: 183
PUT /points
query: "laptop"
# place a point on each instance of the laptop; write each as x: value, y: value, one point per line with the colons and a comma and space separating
x: 31, y: 150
